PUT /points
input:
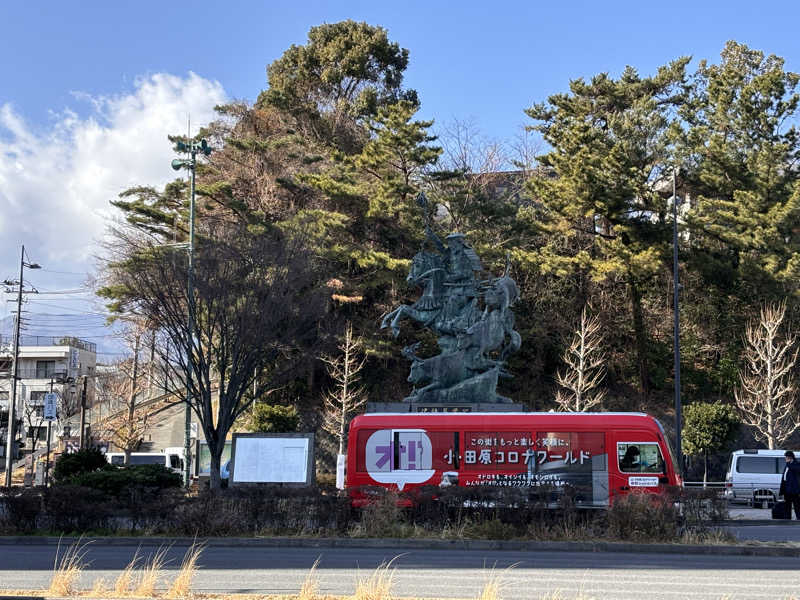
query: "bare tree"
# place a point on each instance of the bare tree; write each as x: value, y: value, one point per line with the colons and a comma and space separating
x: 525, y: 150
x: 69, y: 405
x: 347, y: 396
x: 766, y: 396
x: 130, y: 413
x: 121, y: 428
x: 474, y: 172
x: 34, y: 419
x: 467, y: 149
x: 257, y: 300
x: 585, y: 368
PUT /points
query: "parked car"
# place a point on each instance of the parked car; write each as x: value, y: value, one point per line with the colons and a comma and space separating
x: 754, y: 476
x: 171, y: 460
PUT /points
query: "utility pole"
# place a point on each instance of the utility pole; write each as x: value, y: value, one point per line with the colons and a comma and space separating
x: 132, y: 397
x: 192, y: 148
x: 10, y: 432
x: 677, y: 325
x: 82, y: 436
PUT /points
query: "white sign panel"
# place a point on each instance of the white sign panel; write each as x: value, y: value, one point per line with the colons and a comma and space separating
x: 643, y: 481
x: 270, y: 460
x: 50, y: 406
x: 73, y: 362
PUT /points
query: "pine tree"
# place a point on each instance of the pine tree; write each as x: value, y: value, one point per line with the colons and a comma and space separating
x: 597, y: 197
x: 741, y: 149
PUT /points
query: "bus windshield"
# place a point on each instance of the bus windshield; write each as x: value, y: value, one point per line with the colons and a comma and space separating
x: 674, y: 460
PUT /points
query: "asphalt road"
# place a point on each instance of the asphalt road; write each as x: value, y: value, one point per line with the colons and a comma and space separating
x: 442, y: 573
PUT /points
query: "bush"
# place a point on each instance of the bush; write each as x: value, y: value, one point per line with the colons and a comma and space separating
x: 19, y: 510
x: 643, y: 518
x: 115, y: 480
x: 264, y: 510
x: 82, y: 461
x: 71, y: 509
x: 270, y: 418
x: 383, y: 517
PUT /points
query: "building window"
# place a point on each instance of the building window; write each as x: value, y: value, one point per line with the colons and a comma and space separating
x: 39, y: 433
x: 45, y: 369
x: 37, y: 397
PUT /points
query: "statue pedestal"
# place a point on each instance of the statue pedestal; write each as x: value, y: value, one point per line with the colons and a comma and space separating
x: 416, y: 407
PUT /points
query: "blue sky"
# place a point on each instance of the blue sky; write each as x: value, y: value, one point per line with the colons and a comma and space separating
x: 89, y: 90
x: 483, y: 59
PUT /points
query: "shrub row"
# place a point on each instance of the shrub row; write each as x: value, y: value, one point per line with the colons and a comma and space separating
x: 454, y: 513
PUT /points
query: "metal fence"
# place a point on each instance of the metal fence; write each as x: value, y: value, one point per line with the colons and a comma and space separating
x: 47, y: 340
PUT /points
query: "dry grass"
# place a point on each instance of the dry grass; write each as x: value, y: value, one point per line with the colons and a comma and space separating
x: 67, y: 569
x: 494, y: 584
x: 310, y: 588
x: 182, y: 585
x: 124, y: 582
x: 378, y: 586
x: 99, y: 588
x: 149, y: 574
x: 711, y: 537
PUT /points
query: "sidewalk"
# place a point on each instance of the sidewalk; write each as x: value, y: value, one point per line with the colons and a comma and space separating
x: 792, y: 550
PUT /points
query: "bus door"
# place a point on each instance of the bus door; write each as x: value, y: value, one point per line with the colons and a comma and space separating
x: 638, y: 463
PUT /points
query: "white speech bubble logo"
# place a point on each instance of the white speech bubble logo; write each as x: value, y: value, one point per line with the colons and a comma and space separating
x: 413, y: 456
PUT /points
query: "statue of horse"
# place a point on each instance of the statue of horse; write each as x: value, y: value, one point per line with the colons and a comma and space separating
x: 427, y: 271
x: 489, y: 333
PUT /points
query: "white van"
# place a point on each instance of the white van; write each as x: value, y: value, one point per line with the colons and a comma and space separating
x: 754, y: 476
x: 170, y: 459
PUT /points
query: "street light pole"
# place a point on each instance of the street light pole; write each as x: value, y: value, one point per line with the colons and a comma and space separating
x: 10, y: 433
x: 192, y: 148
x: 677, y: 325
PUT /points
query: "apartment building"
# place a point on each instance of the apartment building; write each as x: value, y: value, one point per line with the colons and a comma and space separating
x: 61, y: 364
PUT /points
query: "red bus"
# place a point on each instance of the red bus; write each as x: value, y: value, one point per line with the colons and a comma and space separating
x: 600, y: 455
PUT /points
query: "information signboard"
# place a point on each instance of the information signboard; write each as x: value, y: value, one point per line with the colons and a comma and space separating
x: 50, y: 406
x: 284, y: 458
x: 74, y: 363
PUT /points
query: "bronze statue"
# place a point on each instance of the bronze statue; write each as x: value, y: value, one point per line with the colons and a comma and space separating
x: 472, y: 320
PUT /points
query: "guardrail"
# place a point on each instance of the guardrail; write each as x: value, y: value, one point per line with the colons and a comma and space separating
x: 706, y: 484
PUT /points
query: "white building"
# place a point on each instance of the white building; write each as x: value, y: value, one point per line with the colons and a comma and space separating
x: 45, y: 362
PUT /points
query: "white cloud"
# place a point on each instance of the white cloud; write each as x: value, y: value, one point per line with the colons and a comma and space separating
x: 55, y: 185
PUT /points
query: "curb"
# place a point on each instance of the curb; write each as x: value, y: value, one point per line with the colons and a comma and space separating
x: 759, y: 522
x: 416, y: 544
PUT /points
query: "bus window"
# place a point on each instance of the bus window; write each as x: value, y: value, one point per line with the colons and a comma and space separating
x: 639, y: 457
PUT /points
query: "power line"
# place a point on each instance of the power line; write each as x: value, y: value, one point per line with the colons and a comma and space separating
x: 64, y: 272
